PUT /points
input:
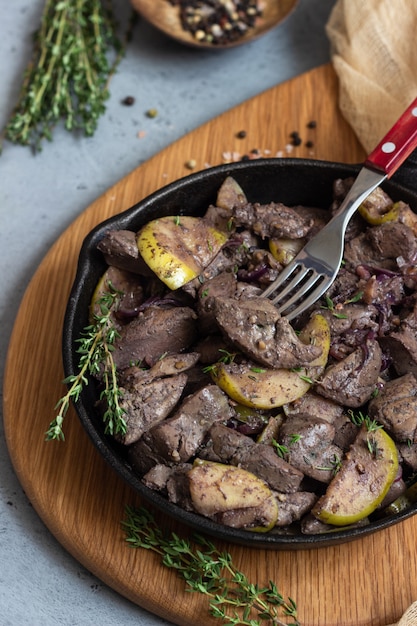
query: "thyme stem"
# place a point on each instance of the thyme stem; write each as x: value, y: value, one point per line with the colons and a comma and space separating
x: 95, y: 347
x: 68, y: 74
x: 205, y: 570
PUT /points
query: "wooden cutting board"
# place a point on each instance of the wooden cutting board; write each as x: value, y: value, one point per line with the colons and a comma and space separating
x: 368, y: 582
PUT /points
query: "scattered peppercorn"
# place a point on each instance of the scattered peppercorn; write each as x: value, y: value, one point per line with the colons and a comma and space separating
x: 151, y: 113
x: 295, y: 138
x: 128, y: 101
x: 312, y: 124
x: 218, y: 21
x: 309, y: 144
x: 191, y: 164
x: 241, y: 134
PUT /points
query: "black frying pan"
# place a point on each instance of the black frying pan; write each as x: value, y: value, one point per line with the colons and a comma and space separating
x: 291, y: 181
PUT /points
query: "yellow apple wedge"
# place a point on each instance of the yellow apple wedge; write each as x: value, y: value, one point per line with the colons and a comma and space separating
x: 365, y: 476
x: 284, y: 249
x: 265, y: 388
x: 178, y: 248
x: 232, y: 496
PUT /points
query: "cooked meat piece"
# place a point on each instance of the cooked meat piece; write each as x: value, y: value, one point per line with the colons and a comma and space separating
x: 344, y: 288
x: 177, y: 438
x: 120, y: 250
x: 231, y: 447
x: 360, y: 251
x: 395, y: 491
x: 320, y: 217
x: 227, y: 444
x: 247, y: 291
x: 246, y: 518
x: 351, y: 317
x: 157, y: 477
x: 212, y: 348
x: 178, y: 487
x: 392, y: 240
x: 310, y: 446
x: 293, y: 506
x: 148, y: 404
x: 401, y: 345
x: 395, y: 407
x: 219, y: 217
x: 263, y: 461
x: 408, y: 453
x: 314, y: 406
x: 382, y: 290
x: 345, y: 432
x: 173, y: 364
x: 272, y: 220
x: 233, y: 254
x: 172, y: 482
x: 143, y: 458
x: 257, y: 329
x: 156, y: 331
x: 352, y: 381
x: 170, y: 365
x: 130, y: 288
x: 223, y: 284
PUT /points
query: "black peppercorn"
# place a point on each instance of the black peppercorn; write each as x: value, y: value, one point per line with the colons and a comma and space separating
x: 295, y: 138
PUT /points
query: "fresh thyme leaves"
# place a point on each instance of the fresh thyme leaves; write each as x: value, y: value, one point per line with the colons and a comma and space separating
x: 302, y: 376
x: 280, y: 449
x: 67, y: 77
x: 359, y: 418
x: 95, y: 347
x: 232, y: 597
x: 227, y: 357
x: 331, y: 307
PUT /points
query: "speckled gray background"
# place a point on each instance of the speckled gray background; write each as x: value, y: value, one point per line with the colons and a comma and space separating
x: 40, y: 195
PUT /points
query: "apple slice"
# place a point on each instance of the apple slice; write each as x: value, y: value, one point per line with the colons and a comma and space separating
x: 264, y: 388
x: 178, y: 248
x: 284, y: 249
x: 232, y: 496
x: 366, y: 474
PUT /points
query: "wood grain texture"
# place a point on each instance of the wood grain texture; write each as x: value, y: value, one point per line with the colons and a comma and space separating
x: 369, y: 582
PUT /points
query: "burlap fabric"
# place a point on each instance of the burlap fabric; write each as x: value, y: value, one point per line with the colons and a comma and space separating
x: 374, y: 53
x: 410, y: 616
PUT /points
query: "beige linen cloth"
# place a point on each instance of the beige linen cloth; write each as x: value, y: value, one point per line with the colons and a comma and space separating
x: 374, y: 53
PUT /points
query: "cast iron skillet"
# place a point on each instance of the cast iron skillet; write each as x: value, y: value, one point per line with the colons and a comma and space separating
x: 292, y: 181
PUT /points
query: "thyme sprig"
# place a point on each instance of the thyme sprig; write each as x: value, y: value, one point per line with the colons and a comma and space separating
x: 76, y: 50
x: 231, y: 596
x: 95, y: 347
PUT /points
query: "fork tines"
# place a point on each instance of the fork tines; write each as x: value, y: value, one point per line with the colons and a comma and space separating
x: 308, y: 286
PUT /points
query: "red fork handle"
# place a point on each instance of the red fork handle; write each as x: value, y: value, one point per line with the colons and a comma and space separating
x: 397, y: 144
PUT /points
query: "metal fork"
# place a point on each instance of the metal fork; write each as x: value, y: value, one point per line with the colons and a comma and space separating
x: 313, y: 270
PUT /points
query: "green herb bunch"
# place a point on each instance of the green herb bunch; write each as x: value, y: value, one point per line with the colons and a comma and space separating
x: 76, y: 50
x: 95, y: 347
x: 232, y: 598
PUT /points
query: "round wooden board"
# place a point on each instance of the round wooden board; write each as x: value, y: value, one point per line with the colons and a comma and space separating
x: 79, y: 497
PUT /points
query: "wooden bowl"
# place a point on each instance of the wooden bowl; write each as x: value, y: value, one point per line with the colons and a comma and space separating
x: 166, y: 18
